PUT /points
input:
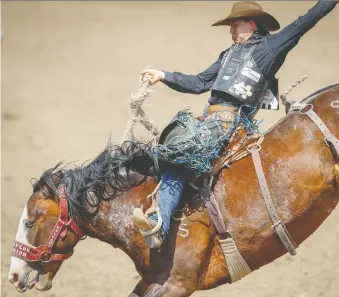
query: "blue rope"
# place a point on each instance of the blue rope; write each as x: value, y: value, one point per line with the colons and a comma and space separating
x: 199, y: 152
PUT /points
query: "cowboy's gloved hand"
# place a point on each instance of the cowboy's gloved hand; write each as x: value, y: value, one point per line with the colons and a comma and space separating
x: 153, y: 75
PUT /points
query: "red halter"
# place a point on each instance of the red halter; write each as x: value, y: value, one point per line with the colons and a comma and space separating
x: 43, y: 252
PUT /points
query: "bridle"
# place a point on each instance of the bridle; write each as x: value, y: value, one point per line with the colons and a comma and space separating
x: 43, y: 253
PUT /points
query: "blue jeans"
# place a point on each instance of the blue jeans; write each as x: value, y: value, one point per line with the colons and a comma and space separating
x: 169, y: 196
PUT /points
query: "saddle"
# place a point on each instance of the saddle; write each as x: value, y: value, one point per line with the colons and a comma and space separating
x: 199, y: 146
x: 240, y: 142
x: 238, y: 148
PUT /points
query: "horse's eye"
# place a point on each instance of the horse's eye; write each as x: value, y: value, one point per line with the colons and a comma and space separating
x: 29, y: 224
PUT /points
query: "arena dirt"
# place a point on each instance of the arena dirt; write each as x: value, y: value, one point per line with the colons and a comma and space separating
x: 68, y: 69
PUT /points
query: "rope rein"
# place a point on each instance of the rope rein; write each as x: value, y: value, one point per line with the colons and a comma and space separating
x: 283, y: 97
x: 138, y: 115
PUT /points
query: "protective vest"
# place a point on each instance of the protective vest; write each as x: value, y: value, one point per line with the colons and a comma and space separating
x: 240, y: 77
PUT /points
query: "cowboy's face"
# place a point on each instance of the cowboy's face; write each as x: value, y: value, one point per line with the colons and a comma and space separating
x: 241, y: 30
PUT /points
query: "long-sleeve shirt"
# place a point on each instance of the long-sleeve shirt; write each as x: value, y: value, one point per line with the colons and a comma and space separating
x: 269, y: 56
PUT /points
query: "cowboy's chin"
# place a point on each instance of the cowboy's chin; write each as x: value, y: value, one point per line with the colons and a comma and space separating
x: 237, y: 40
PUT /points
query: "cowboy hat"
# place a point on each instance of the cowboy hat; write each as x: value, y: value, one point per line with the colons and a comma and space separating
x: 245, y: 9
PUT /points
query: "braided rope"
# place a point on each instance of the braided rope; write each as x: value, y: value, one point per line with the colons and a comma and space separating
x: 137, y: 114
x: 283, y: 97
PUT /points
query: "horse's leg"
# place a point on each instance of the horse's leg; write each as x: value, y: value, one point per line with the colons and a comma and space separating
x: 167, y: 290
x: 139, y: 289
x: 181, y: 265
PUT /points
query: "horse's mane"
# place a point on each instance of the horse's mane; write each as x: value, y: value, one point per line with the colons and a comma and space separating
x: 103, y: 179
x: 110, y: 174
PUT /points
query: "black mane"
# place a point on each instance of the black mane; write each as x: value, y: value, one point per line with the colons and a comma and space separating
x: 109, y: 175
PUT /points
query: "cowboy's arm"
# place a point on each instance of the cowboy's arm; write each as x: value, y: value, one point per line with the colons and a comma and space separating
x: 193, y: 84
x: 283, y: 41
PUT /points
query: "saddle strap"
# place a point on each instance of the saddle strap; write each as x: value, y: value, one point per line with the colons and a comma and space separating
x: 278, y: 225
x: 329, y: 137
x: 236, y: 264
x: 213, y: 210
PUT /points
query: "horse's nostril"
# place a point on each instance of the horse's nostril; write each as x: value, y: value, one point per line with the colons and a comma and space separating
x: 13, y: 278
x: 21, y: 286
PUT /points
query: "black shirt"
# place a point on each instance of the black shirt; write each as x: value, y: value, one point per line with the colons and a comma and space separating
x: 269, y: 56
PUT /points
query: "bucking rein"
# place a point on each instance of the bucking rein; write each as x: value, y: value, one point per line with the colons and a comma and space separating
x: 236, y: 264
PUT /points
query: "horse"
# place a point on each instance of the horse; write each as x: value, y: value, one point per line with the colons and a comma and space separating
x: 97, y: 200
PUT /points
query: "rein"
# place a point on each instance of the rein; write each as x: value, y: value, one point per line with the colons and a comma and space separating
x: 43, y: 253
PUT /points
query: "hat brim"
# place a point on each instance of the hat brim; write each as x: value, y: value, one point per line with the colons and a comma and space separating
x: 263, y: 17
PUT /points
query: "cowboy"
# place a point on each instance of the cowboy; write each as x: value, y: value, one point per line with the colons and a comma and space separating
x: 244, y: 74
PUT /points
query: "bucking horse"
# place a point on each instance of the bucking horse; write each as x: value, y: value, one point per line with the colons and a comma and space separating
x: 270, y: 202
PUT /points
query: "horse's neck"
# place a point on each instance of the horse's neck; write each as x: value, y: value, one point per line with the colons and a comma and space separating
x: 113, y: 222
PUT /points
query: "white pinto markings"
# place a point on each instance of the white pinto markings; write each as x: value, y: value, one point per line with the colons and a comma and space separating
x: 19, y: 270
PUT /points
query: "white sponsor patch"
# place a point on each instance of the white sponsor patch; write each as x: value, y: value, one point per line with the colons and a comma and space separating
x: 251, y: 74
x: 243, y: 90
x: 226, y: 77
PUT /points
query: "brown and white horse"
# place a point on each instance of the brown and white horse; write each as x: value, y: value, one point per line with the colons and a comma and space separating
x: 98, y: 200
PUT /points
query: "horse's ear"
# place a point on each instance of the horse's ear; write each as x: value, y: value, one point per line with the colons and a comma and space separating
x: 52, y: 181
x: 57, y: 177
x: 47, y: 192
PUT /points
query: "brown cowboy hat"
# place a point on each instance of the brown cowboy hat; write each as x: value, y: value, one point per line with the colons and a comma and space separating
x: 244, y: 9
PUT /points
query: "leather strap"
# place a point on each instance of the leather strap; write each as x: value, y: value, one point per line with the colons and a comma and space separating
x: 35, y: 254
x: 278, y: 225
x: 329, y: 137
x: 307, y: 109
x: 213, y: 209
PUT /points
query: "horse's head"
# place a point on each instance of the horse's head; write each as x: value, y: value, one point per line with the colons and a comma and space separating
x: 46, y: 236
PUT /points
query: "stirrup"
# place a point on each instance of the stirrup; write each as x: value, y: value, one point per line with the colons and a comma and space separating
x: 149, y: 231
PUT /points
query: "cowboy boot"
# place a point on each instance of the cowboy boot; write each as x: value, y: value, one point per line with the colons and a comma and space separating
x: 149, y: 229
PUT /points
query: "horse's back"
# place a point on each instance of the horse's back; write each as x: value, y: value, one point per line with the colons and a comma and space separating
x: 298, y: 167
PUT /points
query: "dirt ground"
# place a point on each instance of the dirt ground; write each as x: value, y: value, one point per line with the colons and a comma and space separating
x: 68, y: 69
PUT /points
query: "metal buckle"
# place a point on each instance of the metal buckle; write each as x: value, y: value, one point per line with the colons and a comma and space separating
x: 276, y: 225
x: 46, y: 255
x: 309, y: 106
x: 256, y: 147
x: 335, y: 104
x: 296, y: 106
